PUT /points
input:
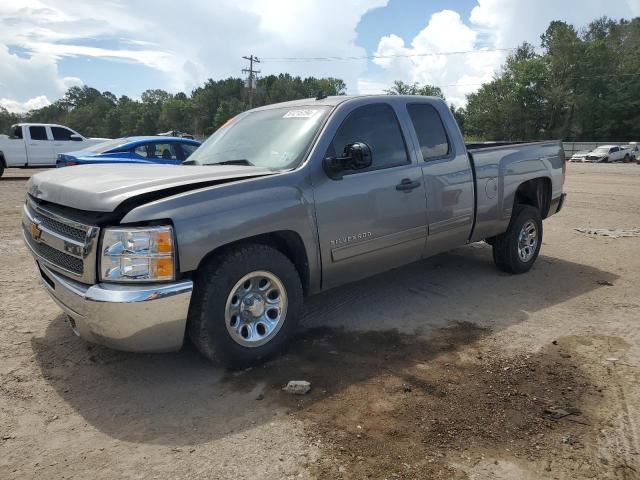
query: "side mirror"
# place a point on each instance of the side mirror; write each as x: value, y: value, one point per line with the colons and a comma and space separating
x: 356, y: 156
x: 75, y: 137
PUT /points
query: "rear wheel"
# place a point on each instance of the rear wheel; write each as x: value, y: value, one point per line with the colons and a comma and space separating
x: 246, y: 306
x: 1, y: 167
x: 516, y: 250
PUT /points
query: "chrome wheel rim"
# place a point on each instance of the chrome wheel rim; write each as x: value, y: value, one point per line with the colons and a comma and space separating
x: 527, y: 241
x: 256, y: 308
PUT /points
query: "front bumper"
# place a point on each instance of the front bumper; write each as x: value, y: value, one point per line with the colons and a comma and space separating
x: 134, y: 318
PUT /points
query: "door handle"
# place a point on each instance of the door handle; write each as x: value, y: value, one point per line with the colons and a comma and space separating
x: 406, y: 185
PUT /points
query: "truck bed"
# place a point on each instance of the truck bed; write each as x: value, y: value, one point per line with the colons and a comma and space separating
x: 500, y: 167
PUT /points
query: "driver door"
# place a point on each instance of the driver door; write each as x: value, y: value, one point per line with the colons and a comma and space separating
x: 373, y: 219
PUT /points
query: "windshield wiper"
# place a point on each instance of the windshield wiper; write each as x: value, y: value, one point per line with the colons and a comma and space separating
x: 241, y: 161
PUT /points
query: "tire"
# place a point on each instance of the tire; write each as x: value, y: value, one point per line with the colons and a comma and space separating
x: 626, y: 159
x: 1, y: 167
x: 506, y: 251
x: 211, y: 323
x: 605, y: 160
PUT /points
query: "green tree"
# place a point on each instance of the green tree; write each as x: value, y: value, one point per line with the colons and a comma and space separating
x: 7, y: 119
x: 401, y: 88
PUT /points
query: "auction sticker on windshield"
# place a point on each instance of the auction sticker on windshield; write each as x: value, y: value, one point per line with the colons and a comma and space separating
x: 300, y: 113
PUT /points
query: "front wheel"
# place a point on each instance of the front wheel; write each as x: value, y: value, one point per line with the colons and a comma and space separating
x: 516, y: 250
x: 626, y: 159
x: 245, y: 306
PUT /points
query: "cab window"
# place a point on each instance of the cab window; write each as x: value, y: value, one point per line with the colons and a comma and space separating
x: 430, y: 131
x: 61, y: 134
x: 38, y: 133
x: 377, y: 126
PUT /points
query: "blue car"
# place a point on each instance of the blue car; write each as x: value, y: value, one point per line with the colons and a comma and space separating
x: 156, y: 149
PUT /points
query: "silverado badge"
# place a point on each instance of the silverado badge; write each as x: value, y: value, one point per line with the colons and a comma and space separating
x: 35, y: 231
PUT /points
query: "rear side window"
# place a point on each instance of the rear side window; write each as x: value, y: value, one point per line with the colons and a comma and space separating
x: 38, y: 133
x: 60, y: 133
x: 377, y: 126
x: 430, y: 131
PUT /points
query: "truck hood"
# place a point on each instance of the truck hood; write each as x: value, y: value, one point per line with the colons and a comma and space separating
x: 102, y: 188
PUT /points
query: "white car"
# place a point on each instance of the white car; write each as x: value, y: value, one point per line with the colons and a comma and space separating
x: 38, y: 145
x: 608, y: 154
x: 579, y: 156
x: 634, y: 151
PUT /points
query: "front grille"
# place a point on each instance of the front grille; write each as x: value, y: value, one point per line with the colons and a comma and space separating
x: 58, y: 258
x: 63, y: 244
x: 59, y: 227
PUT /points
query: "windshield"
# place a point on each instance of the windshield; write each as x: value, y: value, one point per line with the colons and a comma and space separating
x: 601, y: 150
x: 276, y: 138
x: 106, y: 146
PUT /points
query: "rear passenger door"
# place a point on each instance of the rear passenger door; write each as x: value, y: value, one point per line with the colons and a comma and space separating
x: 447, y: 176
x: 373, y: 219
x: 40, y: 147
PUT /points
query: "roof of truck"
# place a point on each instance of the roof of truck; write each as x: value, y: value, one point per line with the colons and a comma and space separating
x: 35, y: 124
x: 334, y: 100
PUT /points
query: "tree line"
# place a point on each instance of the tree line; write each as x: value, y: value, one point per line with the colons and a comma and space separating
x: 102, y: 114
x: 576, y: 85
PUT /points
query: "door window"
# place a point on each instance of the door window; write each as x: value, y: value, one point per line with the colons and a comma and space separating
x: 377, y: 126
x: 188, y: 149
x: 38, y: 133
x: 430, y: 131
x: 161, y: 151
x: 61, y: 134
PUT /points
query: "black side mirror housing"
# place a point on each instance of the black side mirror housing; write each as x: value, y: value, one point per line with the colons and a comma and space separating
x: 356, y: 156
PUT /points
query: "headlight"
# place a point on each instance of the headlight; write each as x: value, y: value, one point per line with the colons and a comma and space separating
x: 134, y: 254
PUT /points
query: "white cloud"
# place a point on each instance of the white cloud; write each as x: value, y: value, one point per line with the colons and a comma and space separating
x: 21, y: 107
x: 492, y: 25
x: 25, y: 82
x: 186, y: 42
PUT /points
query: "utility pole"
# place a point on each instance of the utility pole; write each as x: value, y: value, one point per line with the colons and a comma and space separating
x: 251, y: 82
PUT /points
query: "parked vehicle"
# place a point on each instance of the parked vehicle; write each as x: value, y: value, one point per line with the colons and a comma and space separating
x: 283, y: 202
x: 176, y: 133
x: 166, y: 150
x: 579, y: 156
x: 607, y: 154
x: 38, y: 144
x: 634, y: 151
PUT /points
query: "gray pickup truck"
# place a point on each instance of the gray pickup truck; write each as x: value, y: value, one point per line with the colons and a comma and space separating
x: 282, y: 202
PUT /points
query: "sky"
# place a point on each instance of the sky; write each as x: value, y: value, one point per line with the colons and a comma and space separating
x: 128, y: 46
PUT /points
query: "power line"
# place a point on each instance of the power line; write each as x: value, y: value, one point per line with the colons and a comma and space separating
x: 251, y: 79
x: 395, y: 55
x: 484, y: 83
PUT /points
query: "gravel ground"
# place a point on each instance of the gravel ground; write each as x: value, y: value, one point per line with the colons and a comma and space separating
x: 446, y: 368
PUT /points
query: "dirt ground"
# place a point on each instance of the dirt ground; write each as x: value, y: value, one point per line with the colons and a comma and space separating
x: 445, y: 369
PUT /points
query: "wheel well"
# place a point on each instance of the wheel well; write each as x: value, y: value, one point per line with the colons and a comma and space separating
x: 535, y: 192
x: 287, y: 242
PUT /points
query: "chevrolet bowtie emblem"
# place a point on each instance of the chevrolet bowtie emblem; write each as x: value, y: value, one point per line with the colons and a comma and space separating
x: 35, y: 231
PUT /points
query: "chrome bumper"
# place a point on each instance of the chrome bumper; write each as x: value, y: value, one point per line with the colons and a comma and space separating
x: 134, y: 318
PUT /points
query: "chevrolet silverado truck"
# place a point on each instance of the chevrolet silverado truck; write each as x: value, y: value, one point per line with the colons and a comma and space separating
x: 38, y: 145
x: 282, y: 202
